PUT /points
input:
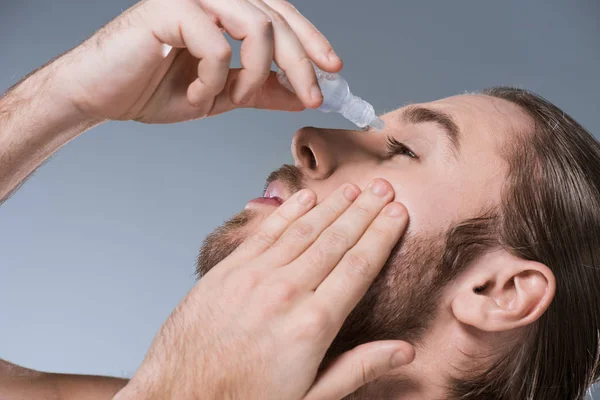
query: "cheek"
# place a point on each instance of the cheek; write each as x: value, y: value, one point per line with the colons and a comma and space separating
x: 431, y: 208
x: 325, y: 188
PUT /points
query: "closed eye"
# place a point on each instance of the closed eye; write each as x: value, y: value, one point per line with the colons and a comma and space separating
x: 398, y: 148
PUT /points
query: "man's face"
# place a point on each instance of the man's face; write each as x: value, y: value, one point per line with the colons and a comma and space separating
x: 444, y: 161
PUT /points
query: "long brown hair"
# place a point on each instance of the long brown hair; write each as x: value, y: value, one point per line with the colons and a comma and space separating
x: 550, y: 213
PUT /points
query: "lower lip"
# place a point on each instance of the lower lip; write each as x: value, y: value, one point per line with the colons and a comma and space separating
x: 265, y: 201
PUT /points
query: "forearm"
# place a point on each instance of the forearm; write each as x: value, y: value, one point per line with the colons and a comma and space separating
x: 36, y: 119
x: 86, y: 387
x: 18, y: 383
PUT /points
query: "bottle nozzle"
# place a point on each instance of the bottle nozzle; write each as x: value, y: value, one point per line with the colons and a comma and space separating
x: 361, y: 113
x: 337, y: 97
x: 377, y: 124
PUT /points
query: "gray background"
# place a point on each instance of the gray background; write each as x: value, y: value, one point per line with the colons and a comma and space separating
x: 99, y: 246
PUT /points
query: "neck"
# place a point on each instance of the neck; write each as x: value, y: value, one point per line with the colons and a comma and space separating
x: 446, y: 349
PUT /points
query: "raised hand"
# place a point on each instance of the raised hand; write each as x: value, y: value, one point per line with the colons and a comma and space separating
x: 168, y: 60
x: 259, y: 323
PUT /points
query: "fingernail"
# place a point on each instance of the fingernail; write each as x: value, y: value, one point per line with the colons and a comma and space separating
x: 351, y: 193
x: 315, y: 92
x: 305, y: 198
x: 331, y: 56
x: 398, y: 359
x: 394, y: 210
x: 379, y: 188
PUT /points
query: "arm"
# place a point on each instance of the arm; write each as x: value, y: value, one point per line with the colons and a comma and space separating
x: 35, y: 120
x: 18, y: 383
x: 165, y: 61
x: 124, y: 73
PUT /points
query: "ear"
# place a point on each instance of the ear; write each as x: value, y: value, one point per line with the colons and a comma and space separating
x: 502, y: 292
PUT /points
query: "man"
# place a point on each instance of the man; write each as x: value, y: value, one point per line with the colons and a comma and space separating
x: 491, y: 293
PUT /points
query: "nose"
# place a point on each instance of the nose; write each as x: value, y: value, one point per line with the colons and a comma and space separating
x: 312, y: 153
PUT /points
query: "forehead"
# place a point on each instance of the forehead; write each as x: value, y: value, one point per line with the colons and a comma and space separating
x: 482, y: 119
x: 473, y: 181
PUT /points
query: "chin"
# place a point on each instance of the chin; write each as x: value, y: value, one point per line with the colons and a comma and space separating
x: 225, y: 239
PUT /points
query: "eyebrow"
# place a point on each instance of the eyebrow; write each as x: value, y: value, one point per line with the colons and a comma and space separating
x: 420, y: 114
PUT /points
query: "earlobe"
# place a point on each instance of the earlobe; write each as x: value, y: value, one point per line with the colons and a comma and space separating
x: 501, y: 292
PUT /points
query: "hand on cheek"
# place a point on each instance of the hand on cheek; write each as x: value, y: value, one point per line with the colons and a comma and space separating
x: 259, y: 323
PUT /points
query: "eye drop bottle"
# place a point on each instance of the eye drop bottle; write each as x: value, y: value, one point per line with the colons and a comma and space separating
x: 338, y: 98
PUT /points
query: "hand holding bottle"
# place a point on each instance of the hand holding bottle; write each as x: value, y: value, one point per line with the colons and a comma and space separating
x: 338, y: 98
x: 168, y: 60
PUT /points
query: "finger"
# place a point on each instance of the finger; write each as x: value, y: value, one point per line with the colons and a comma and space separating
x: 196, y: 31
x: 256, y: 57
x: 358, y: 367
x: 248, y: 23
x: 302, y: 233
x: 271, y: 96
x: 291, y: 57
x: 205, y: 42
x: 316, y: 45
x: 350, y: 279
x: 275, y: 224
x: 312, y: 266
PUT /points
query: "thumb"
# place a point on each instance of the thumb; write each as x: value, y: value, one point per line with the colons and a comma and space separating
x: 359, y: 366
x: 271, y: 96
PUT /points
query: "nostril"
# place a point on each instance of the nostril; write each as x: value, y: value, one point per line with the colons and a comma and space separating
x: 307, y: 154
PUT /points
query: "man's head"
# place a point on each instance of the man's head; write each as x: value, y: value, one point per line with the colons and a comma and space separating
x: 497, y: 280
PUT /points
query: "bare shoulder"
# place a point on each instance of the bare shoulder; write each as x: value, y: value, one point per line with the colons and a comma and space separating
x: 17, y: 382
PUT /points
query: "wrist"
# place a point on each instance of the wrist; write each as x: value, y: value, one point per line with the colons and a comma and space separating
x: 40, y: 110
x: 36, y: 119
x: 55, y: 100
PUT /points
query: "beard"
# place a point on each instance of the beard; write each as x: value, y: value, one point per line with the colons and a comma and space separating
x: 221, y: 242
x: 399, y: 305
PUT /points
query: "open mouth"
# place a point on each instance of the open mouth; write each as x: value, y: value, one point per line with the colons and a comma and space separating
x: 275, y: 194
x: 276, y: 190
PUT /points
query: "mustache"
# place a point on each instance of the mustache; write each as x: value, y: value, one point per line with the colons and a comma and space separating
x: 290, y: 176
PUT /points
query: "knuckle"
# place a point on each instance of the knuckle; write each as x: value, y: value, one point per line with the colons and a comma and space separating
x: 329, y: 208
x: 368, y: 372
x: 304, y: 59
x: 263, y: 238
x: 289, y: 7
x: 240, y: 100
x: 315, y: 323
x: 380, y: 232
x: 362, y: 210
x: 313, y: 259
x: 286, y: 214
x: 237, y: 101
x: 359, y: 264
x: 221, y: 52
x: 303, y: 230
x: 247, y: 280
x: 314, y: 35
x: 282, y: 292
x: 278, y: 18
x: 336, y: 239
x: 264, y: 23
x: 297, y: 61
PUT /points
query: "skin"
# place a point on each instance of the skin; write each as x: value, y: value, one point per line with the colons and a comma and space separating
x: 438, y: 188
x: 441, y: 187
x: 258, y: 324
x: 168, y: 61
